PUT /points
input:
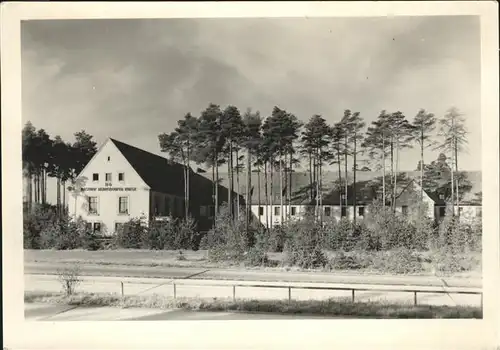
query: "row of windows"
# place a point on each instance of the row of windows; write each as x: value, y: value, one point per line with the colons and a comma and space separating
x: 93, y: 204
x: 96, y: 227
x: 108, y: 177
x: 327, y: 211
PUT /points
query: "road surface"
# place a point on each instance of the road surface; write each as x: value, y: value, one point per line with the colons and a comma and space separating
x: 202, y: 288
x: 51, y: 313
x: 249, y: 275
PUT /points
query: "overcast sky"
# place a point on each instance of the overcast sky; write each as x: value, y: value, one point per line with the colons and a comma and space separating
x: 132, y: 79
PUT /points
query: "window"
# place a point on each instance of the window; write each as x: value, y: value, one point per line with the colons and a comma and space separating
x: 342, y: 196
x: 404, y: 209
x: 442, y: 211
x: 293, y: 211
x: 167, y: 206
x: 203, y: 210
x: 121, y: 177
x: 460, y: 210
x: 95, y: 177
x: 328, y: 211
x: 361, y: 211
x: 88, y: 226
x: 479, y: 212
x: 118, y: 226
x: 343, y: 212
x: 261, y: 211
x: 97, y: 227
x: 123, y: 205
x: 441, y: 196
x: 109, y: 158
x: 276, y: 210
x: 92, y: 205
x: 108, y: 177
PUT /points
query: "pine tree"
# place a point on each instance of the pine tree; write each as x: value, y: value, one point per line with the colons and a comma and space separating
x: 422, y: 126
x: 453, y: 132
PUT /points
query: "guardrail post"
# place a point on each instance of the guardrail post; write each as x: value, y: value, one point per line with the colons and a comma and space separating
x: 234, y: 293
x: 415, y: 298
x: 289, y: 294
x: 122, y: 288
x: 353, y: 296
x: 175, y: 292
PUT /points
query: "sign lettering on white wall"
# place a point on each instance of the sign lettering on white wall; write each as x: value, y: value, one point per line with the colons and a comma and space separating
x: 101, y: 189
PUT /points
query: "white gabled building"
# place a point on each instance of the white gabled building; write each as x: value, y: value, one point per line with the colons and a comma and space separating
x: 122, y: 182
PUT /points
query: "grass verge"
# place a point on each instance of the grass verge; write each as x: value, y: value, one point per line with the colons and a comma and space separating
x: 330, y: 307
x: 199, y: 259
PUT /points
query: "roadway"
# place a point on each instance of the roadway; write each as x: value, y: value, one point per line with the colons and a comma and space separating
x: 52, y: 313
x: 155, y: 272
x: 205, y: 288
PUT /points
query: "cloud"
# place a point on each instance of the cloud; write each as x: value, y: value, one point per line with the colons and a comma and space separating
x: 132, y: 79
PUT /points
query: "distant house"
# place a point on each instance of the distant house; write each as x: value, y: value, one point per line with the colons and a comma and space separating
x: 122, y: 182
x: 272, y: 213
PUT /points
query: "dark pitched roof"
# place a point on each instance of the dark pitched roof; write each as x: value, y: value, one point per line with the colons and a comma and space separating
x: 166, y: 176
x: 300, y: 185
x: 159, y: 173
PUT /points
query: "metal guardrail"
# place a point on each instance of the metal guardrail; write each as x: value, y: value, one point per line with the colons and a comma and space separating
x: 353, y: 290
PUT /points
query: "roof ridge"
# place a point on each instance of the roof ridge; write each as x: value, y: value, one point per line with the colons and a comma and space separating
x: 171, y: 162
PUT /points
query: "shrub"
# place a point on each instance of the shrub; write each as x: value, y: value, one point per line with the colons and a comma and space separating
x: 257, y: 255
x: 398, y: 261
x: 186, y: 235
x: 303, y: 244
x: 35, y: 221
x: 448, y: 261
x: 227, y: 240
x: 62, y: 235
x: 132, y: 234
x: 160, y: 235
x: 355, y: 261
x: 277, y: 238
x: 69, y: 278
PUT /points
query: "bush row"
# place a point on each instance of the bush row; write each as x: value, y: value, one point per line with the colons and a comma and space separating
x: 45, y: 229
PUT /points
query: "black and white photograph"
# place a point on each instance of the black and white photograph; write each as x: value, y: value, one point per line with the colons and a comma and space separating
x: 253, y: 168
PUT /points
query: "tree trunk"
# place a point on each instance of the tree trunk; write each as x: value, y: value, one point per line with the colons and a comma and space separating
x: 392, y: 173
x: 237, y: 194
x: 64, y: 197
x: 58, y: 200
x: 45, y: 186
x: 185, y: 191
x: 457, y: 180
x: 346, y: 176
x: 213, y: 190
x: 315, y: 179
x: 396, y: 172
x: 248, y: 195
x: 310, y: 177
x: 290, y: 187
x: 422, y: 164
x: 188, y: 195
x: 320, y: 190
x: 258, y: 192
x: 216, y: 184
x: 452, y: 193
x: 266, y: 182
x: 35, y: 185
x: 271, y: 194
x: 354, y: 180
x: 281, y: 187
x: 230, y: 179
x: 30, y: 191
x: 383, y: 171
x: 340, y: 177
